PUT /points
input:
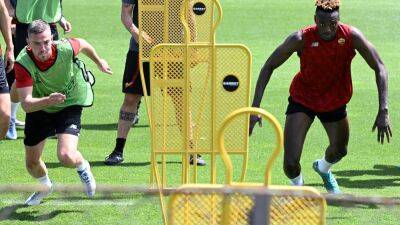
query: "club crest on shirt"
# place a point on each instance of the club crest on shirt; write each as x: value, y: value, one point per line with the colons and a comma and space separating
x: 341, y: 41
x: 314, y: 44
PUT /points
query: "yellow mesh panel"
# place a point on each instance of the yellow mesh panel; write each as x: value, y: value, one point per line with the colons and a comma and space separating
x: 201, y: 98
x: 168, y: 88
x: 161, y: 20
x: 203, y: 23
x: 209, y: 207
x: 151, y: 14
x: 234, y: 62
x: 188, y: 209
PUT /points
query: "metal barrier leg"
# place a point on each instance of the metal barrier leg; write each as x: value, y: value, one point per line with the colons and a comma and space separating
x: 260, y: 212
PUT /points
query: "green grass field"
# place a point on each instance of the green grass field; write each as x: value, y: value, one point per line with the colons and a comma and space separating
x: 369, y: 169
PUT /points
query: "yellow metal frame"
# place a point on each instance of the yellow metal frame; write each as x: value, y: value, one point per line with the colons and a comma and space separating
x: 162, y: 8
x: 216, y: 192
x: 155, y: 84
x: 217, y: 146
x: 225, y: 193
x: 279, y: 139
x: 187, y: 47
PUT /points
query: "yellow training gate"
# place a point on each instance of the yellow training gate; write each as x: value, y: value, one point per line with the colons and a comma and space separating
x: 192, y: 95
x: 246, y: 203
x: 161, y: 20
x: 194, y: 86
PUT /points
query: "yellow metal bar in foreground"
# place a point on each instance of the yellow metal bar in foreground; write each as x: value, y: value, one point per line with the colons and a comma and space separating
x: 214, y: 72
x: 246, y: 154
x: 213, y: 178
x: 154, y: 169
x: 214, y: 91
x: 186, y: 128
x: 184, y: 11
x: 279, y: 138
x: 143, y: 81
x: 160, y: 191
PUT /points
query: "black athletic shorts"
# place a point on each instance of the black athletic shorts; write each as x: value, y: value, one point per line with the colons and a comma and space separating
x: 325, y: 117
x: 3, y: 81
x: 131, y: 82
x: 19, y: 41
x: 40, y: 125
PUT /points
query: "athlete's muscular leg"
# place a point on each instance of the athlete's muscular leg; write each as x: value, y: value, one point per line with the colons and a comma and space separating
x: 4, y: 114
x: 338, y: 133
x: 33, y: 162
x: 67, y: 150
x: 127, y: 114
x: 296, y: 128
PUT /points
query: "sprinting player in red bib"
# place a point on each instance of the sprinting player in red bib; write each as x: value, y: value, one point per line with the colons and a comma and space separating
x: 322, y: 88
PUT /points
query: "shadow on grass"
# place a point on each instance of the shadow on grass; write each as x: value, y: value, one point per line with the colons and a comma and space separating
x: 20, y: 137
x: 53, y: 165
x: 336, y: 219
x: 101, y: 163
x: 369, y: 184
x: 107, y: 126
x: 343, y: 179
x: 378, y: 170
x: 353, y: 205
x: 100, y: 197
x: 364, y: 184
x: 11, y: 213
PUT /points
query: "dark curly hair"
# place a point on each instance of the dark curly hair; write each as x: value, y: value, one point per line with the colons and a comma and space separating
x: 327, y: 5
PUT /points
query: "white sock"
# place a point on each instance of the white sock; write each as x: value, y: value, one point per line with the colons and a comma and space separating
x: 45, y: 180
x: 14, y: 108
x: 324, y: 166
x: 83, y: 165
x: 297, y: 181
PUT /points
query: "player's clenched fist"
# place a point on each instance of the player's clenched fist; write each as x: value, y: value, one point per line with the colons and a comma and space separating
x: 56, y: 98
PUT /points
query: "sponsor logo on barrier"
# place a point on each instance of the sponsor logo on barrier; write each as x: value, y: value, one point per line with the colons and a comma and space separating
x: 230, y: 83
x: 199, y: 8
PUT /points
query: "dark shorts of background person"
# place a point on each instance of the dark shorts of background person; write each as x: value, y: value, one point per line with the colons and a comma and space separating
x: 40, y: 125
x: 325, y: 117
x: 19, y: 41
x: 3, y: 81
x: 131, y: 82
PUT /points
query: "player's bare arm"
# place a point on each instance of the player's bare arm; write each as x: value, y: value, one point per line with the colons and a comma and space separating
x: 293, y: 43
x: 371, y: 56
x: 126, y: 19
x: 6, y: 31
x: 10, y: 8
x: 31, y: 104
x: 65, y: 25
x: 88, y: 50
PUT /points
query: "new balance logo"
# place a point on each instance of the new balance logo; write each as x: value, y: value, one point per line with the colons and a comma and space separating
x: 314, y: 44
x: 73, y: 126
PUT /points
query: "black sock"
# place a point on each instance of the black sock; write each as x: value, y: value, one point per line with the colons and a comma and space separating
x: 119, y: 145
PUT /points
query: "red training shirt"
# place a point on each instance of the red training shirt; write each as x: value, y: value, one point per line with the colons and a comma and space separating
x: 324, y: 81
x: 23, y: 77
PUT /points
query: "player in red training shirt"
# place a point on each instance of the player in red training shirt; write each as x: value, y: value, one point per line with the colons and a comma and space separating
x: 322, y: 88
